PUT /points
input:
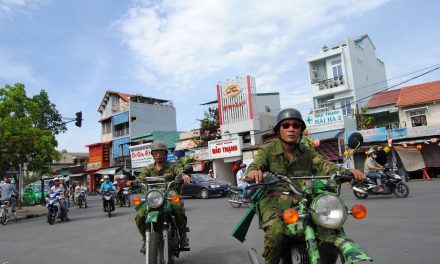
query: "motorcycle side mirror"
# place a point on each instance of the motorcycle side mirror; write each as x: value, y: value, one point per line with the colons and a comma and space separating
x: 355, y: 140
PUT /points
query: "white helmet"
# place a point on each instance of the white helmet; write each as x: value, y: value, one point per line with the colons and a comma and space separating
x: 106, y: 177
x: 56, y: 179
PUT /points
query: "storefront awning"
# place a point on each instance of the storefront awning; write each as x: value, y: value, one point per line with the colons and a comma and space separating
x: 185, y: 144
x: 327, y: 134
x: 110, y: 171
x: 76, y: 175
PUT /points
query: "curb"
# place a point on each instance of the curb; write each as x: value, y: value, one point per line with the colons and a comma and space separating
x: 29, y: 216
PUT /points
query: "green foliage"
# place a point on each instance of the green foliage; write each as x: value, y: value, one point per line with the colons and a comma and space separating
x: 25, y: 136
x: 365, y: 121
x: 48, y: 116
x: 210, y: 120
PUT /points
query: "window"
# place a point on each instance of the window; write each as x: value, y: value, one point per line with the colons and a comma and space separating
x: 106, y: 127
x: 323, y: 103
x: 418, y: 118
x: 337, y: 69
x: 346, y: 107
x: 121, y: 130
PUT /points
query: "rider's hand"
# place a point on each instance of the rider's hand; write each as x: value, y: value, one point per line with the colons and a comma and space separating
x: 186, y: 179
x: 255, y: 175
x: 357, y: 174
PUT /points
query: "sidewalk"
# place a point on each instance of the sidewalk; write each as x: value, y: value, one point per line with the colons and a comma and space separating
x: 27, y: 212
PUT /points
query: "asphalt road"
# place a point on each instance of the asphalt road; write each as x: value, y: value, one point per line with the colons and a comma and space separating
x: 395, y: 231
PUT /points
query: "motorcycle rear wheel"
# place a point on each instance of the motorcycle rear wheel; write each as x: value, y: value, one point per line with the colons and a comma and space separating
x: 4, y: 217
x: 236, y: 197
x: 401, y: 190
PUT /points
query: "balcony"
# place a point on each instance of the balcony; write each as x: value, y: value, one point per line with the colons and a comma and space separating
x: 329, y: 86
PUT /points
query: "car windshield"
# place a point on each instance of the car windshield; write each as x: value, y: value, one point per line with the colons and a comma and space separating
x: 202, y: 177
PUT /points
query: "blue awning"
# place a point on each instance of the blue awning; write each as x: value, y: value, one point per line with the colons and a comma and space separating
x: 327, y: 134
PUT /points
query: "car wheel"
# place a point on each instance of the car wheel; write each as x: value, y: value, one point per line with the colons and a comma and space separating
x: 204, y: 194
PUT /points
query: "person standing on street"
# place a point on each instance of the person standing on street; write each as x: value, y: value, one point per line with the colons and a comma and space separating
x: 170, y: 171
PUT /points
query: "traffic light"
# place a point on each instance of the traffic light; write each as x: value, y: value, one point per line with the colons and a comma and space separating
x: 78, y: 119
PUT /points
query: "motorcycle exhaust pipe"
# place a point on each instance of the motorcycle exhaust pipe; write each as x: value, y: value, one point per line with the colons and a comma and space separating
x: 359, y: 190
x: 253, y: 256
x: 234, y: 201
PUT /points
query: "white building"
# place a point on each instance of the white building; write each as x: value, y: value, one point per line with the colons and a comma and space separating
x: 345, y: 73
x: 245, y: 116
x: 342, y: 77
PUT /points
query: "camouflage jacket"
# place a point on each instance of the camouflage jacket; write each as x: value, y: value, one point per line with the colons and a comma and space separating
x: 305, y: 162
x: 170, y: 171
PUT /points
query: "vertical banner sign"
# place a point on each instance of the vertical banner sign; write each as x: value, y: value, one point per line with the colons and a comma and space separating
x: 141, y: 155
x: 106, y: 153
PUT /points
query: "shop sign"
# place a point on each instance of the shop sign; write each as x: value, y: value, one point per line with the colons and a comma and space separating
x: 324, y: 121
x: 226, y: 107
x: 397, y: 133
x: 171, y: 157
x: 232, y: 90
x: 423, y: 131
x: 370, y: 135
x: 94, y: 166
x: 201, y: 154
x: 141, y: 155
x: 224, y: 148
x: 106, y: 153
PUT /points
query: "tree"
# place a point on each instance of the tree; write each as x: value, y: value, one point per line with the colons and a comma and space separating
x: 48, y: 116
x: 210, y: 120
x: 365, y: 121
x: 24, y: 136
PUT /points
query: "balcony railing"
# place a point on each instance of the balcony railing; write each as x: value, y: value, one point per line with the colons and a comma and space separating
x: 330, y: 83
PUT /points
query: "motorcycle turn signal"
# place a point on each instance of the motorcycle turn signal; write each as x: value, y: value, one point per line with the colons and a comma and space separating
x: 136, y: 200
x: 358, y: 211
x: 290, y: 216
x: 175, y: 198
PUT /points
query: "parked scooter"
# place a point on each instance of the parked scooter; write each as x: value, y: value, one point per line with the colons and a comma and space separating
x: 54, y: 210
x: 108, y: 202
x: 392, y: 184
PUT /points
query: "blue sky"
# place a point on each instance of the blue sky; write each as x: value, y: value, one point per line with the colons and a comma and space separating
x: 179, y: 50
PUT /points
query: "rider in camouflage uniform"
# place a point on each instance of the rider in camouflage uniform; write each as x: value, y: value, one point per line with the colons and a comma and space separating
x: 170, y: 171
x: 286, y: 157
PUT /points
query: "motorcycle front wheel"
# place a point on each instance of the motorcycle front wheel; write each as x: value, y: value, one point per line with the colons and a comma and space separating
x: 109, y: 209
x: 155, y: 249
x: 235, y: 200
x: 401, y: 190
x: 329, y: 254
x: 360, y: 195
x: 51, y: 218
x: 127, y: 201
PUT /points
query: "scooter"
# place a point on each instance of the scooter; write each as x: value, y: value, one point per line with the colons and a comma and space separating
x: 54, y: 209
x: 237, y: 197
x: 108, y: 202
x: 391, y: 181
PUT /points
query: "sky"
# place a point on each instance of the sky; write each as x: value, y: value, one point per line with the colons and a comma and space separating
x: 179, y: 50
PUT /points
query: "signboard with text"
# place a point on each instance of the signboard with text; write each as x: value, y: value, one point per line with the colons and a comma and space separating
x: 370, y: 135
x: 324, y: 121
x: 224, y: 148
x: 141, y: 155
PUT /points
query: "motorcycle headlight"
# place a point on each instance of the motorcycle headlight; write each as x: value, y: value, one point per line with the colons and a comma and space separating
x: 329, y: 211
x: 155, y: 198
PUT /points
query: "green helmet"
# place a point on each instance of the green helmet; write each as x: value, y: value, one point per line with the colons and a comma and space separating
x: 159, y: 145
x: 289, y: 113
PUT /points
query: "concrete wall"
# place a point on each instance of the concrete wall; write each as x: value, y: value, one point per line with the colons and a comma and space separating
x: 223, y: 171
x: 151, y: 117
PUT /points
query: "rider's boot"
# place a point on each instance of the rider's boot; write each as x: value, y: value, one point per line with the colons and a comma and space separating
x: 143, y: 247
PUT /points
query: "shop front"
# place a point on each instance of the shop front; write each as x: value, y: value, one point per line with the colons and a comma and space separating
x: 225, y: 155
x: 99, y: 157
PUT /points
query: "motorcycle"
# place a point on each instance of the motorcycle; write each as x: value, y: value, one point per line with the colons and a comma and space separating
x: 162, y: 235
x: 5, y: 212
x: 82, y: 201
x: 391, y: 181
x: 108, y: 202
x: 54, y: 210
x: 315, y: 224
x: 125, y: 197
x: 237, y: 198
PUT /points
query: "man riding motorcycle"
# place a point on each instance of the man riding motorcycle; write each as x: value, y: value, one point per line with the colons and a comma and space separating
x: 8, y: 193
x: 107, y: 185
x: 79, y: 189
x: 59, y: 187
x: 288, y: 157
x: 170, y: 171
x: 372, y: 169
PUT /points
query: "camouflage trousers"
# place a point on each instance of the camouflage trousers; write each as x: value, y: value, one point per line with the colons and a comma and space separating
x: 271, y: 210
x: 178, y: 212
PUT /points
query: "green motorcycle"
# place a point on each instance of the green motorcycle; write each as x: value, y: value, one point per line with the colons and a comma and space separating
x: 162, y: 235
x: 315, y: 225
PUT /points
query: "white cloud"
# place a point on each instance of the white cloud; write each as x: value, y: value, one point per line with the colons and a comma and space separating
x: 187, y: 41
x: 11, y: 8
